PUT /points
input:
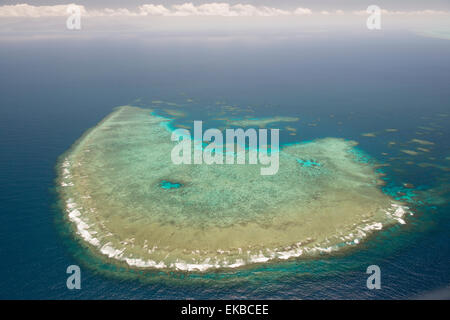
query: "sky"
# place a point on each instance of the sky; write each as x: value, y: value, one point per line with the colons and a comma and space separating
x: 313, y: 4
x: 233, y: 15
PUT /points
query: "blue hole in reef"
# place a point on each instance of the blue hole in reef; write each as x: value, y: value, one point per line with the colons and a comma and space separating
x: 308, y: 163
x: 169, y: 185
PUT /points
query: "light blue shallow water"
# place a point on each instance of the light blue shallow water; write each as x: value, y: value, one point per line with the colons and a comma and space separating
x: 53, y: 90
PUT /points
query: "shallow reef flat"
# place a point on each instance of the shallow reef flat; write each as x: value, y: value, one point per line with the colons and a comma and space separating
x: 259, y: 122
x: 125, y: 197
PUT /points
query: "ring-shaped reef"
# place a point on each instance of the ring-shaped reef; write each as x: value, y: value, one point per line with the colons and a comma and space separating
x: 130, y: 203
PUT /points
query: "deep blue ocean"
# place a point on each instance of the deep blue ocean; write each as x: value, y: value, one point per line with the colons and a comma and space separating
x: 339, y: 85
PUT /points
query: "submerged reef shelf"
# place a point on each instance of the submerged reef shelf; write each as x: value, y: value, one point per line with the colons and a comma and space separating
x: 126, y: 198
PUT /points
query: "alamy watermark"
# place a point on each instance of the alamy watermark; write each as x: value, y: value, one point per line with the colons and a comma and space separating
x: 374, y: 280
x: 74, y: 280
x: 374, y: 19
x: 73, y: 22
x: 218, y: 152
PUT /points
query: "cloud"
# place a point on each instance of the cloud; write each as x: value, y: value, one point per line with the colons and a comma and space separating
x: 153, y: 10
x: 26, y: 10
x: 182, y: 10
x: 188, y: 9
x: 120, y: 12
x: 224, y: 10
x: 405, y: 13
x: 302, y: 11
